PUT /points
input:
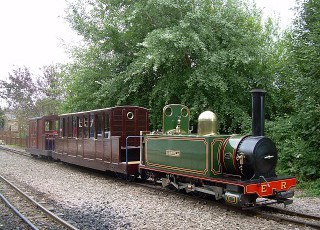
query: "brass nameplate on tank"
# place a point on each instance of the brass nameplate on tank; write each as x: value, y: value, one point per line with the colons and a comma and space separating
x: 173, y: 153
x: 227, y: 156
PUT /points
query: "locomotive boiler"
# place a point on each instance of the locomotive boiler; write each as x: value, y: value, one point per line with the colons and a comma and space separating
x: 236, y: 168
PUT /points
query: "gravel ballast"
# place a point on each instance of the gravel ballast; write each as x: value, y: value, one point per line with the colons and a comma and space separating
x: 92, y: 200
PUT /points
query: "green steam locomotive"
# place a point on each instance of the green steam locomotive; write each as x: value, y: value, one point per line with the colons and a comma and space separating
x: 236, y: 168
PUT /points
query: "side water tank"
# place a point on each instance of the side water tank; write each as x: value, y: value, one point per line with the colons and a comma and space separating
x: 207, y: 124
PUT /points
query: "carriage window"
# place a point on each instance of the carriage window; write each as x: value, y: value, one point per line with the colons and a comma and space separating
x: 92, y: 126
x: 64, y: 127
x: 74, y: 127
x: 70, y: 126
x: 130, y: 115
x: 60, y: 127
x: 47, y: 126
x: 98, y: 126
x: 106, y: 126
x: 86, y: 126
x: 80, y: 127
x: 56, y: 125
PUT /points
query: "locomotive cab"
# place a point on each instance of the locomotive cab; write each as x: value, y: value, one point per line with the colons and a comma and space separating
x: 176, y: 119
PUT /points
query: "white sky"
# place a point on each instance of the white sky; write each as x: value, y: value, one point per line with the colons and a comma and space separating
x: 31, y: 34
x: 278, y: 9
x: 31, y: 31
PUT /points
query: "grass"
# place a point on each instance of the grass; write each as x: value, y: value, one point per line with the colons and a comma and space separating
x: 310, y: 188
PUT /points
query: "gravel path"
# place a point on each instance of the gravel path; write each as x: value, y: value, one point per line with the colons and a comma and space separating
x: 95, y: 201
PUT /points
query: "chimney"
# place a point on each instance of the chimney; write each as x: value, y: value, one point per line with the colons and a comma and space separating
x: 258, y: 112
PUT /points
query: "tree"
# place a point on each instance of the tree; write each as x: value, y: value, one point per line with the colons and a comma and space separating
x: 20, y: 95
x: 19, y: 91
x: 28, y: 98
x: 298, y: 129
x: 50, y: 90
x: 1, y: 119
x: 206, y: 54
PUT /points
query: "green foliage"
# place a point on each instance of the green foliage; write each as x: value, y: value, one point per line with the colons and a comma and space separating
x: 297, y: 92
x: 312, y: 188
x: 50, y: 90
x: 205, y: 54
x: 296, y: 154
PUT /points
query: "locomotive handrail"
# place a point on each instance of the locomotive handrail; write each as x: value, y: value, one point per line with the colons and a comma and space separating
x: 47, y: 140
x: 262, y: 178
x: 127, y: 138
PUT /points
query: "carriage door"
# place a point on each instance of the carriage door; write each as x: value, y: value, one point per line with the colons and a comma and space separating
x: 33, y: 134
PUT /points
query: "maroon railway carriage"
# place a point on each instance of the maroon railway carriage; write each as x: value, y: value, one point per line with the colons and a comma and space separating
x: 42, y: 133
x: 97, y: 139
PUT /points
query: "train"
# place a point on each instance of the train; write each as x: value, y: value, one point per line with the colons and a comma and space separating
x: 239, y: 169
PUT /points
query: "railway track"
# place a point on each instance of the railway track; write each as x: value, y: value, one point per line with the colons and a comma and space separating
x: 12, y: 150
x: 9, y: 218
x: 267, y: 212
x: 284, y: 215
x: 31, y: 212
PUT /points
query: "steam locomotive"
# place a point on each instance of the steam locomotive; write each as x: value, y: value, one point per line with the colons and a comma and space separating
x: 237, y: 168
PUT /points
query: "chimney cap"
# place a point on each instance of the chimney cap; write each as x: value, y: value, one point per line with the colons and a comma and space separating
x: 258, y: 91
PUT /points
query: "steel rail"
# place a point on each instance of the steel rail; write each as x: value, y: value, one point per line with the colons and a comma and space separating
x: 16, y: 211
x: 49, y: 213
x: 17, y: 151
x: 291, y: 213
x: 278, y: 218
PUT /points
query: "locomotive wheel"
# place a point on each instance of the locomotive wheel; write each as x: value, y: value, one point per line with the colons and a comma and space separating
x: 172, y: 188
x: 144, y: 176
x: 131, y: 178
x: 152, y: 176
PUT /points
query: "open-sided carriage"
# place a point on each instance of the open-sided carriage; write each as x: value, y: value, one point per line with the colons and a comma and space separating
x: 97, y: 139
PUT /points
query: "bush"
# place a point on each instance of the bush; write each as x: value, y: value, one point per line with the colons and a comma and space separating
x: 311, y: 188
x: 297, y: 155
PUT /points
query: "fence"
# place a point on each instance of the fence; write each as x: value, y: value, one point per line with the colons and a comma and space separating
x: 13, y: 138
